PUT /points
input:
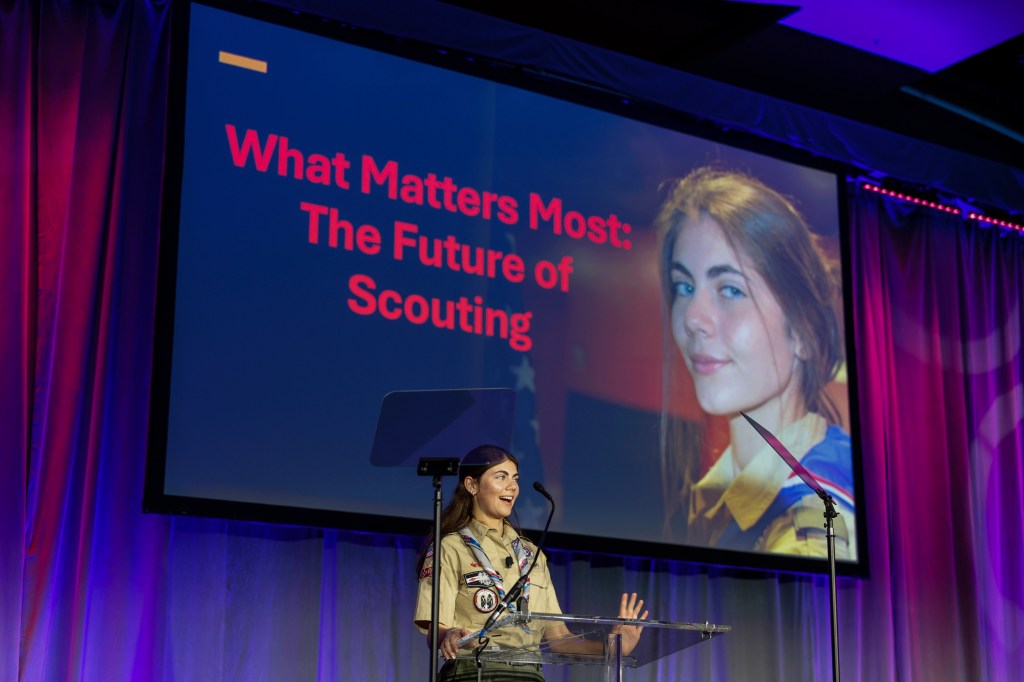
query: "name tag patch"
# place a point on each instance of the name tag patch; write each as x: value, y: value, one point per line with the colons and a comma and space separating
x: 478, y: 579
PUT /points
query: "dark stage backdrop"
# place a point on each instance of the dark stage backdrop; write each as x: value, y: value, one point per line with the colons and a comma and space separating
x: 92, y: 589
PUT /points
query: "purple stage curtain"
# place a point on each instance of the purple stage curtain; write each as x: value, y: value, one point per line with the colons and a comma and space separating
x: 938, y: 333
x: 82, y: 106
x: 91, y: 589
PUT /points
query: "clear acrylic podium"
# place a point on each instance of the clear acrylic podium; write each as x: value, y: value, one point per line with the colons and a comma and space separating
x: 592, y: 642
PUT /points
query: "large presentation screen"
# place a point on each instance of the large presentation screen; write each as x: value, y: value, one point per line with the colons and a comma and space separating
x: 347, y: 222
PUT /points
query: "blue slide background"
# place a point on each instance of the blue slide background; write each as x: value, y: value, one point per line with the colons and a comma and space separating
x: 276, y: 384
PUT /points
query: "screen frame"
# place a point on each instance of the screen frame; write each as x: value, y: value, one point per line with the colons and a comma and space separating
x: 156, y: 500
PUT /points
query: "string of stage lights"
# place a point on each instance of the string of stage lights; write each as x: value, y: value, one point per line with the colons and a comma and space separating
x: 917, y: 200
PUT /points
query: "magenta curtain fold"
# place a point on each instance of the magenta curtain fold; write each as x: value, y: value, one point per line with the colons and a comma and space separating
x: 17, y: 314
x: 91, y: 589
x: 82, y: 173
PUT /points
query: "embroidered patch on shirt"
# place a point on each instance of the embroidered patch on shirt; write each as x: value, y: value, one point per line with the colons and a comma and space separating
x: 485, y: 600
x: 428, y: 564
x: 478, y: 579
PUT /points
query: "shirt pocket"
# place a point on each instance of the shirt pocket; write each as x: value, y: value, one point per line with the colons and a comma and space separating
x: 541, y: 593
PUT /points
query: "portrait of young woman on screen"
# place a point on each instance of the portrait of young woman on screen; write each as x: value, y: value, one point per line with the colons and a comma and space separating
x: 751, y: 317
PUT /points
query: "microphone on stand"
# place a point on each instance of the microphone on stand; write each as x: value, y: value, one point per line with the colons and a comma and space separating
x: 543, y: 491
x: 512, y: 596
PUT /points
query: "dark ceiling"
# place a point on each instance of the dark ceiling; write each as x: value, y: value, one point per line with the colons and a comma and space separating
x: 974, y: 105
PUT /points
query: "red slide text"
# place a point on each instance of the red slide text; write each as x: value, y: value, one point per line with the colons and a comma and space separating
x: 451, y: 254
x: 439, y: 193
x: 316, y: 168
x: 462, y: 314
x: 573, y: 224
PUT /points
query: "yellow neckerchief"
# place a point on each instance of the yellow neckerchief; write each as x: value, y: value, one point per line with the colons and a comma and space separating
x: 722, y: 494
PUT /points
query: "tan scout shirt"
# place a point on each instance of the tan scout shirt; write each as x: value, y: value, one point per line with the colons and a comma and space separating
x: 457, y: 607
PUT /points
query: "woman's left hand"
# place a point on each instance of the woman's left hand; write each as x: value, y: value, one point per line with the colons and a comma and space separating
x: 630, y: 607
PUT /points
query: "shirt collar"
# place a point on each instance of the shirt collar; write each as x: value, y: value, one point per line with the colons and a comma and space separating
x: 480, y: 531
x: 749, y: 494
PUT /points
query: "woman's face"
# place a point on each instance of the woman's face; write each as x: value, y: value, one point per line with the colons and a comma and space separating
x: 731, y: 330
x: 495, y: 492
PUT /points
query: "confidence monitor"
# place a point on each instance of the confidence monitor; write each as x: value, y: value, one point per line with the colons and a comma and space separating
x: 347, y: 219
x: 447, y: 423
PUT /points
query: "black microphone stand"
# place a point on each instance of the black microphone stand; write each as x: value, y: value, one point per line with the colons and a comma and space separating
x: 830, y: 531
x: 830, y: 541
x: 436, y: 467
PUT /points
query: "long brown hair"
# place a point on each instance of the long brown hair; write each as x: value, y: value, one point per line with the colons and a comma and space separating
x: 459, y: 510
x: 765, y: 226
